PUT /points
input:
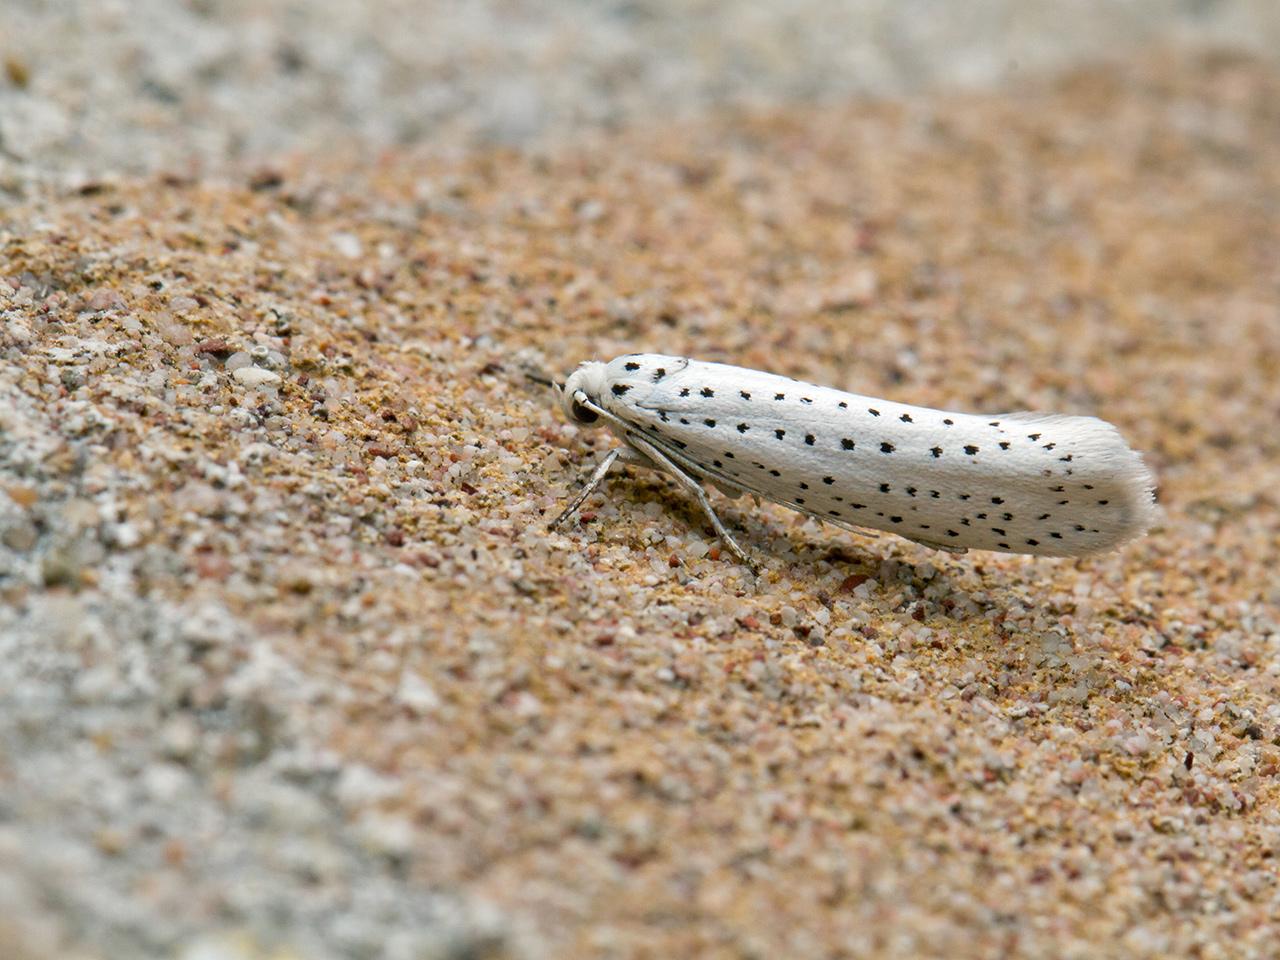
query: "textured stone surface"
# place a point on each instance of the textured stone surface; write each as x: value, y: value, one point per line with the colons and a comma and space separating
x: 292, y: 668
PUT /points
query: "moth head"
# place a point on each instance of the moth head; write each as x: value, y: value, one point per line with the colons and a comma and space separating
x: 585, y: 383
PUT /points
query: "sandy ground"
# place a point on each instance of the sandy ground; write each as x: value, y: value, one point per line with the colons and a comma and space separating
x: 292, y: 667
x: 186, y: 86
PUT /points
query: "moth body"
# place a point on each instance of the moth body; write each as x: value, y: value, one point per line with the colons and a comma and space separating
x: 1015, y: 483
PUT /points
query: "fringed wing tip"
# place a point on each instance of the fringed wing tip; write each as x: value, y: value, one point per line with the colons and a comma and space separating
x: 1132, y: 482
x: 1135, y: 488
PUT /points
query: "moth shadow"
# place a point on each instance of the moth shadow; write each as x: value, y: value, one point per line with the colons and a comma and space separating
x: 755, y: 527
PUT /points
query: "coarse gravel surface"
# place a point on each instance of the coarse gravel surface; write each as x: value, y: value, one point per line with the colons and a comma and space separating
x: 292, y: 667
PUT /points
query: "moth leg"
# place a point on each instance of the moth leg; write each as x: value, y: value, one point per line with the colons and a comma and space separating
x: 944, y: 547
x: 695, y: 488
x: 596, y: 479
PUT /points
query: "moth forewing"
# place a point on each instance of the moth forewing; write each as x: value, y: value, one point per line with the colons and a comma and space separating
x: 1019, y: 483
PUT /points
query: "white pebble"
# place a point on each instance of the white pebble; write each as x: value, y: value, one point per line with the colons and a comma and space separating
x: 256, y: 377
x: 416, y: 694
x: 347, y: 244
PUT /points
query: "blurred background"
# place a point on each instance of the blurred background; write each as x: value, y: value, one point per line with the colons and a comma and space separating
x: 97, y: 86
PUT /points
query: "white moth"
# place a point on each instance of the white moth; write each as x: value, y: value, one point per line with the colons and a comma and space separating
x: 1057, y: 486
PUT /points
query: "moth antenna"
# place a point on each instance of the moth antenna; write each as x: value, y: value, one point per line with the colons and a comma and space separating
x: 541, y: 378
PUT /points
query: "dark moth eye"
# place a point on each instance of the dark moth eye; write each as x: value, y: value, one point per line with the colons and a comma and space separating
x: 583, y: 415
